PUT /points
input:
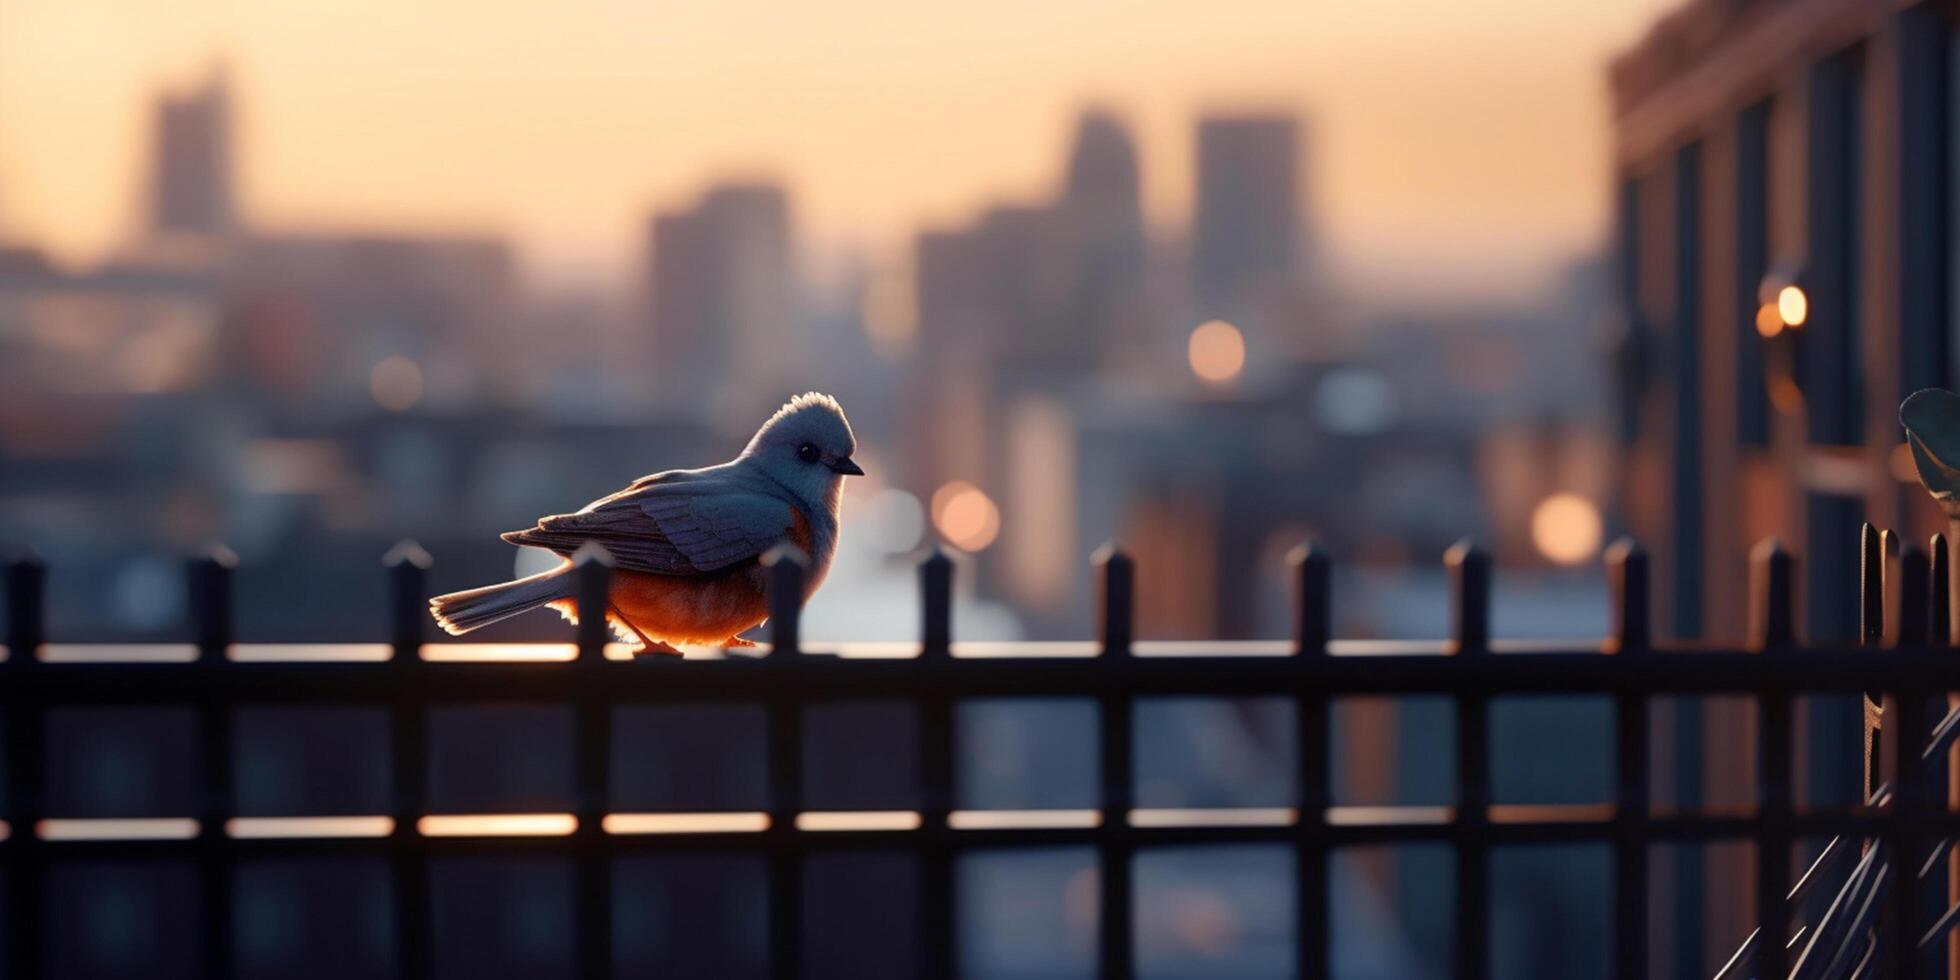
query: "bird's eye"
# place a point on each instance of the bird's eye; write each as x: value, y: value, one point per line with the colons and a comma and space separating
x: 807, y: 453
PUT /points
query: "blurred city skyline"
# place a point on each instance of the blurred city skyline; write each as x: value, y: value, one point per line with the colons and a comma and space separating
x: 1453, y: 153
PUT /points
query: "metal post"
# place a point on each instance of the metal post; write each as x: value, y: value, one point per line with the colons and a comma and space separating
x: 1115, y: 622
x: 210, y: 579
x: 1469, y: 568
x: 1312, y: 627
x: 592, y: 585
x: 1628, y: 577
x: 1773, y: 629
x: 1906, y: 730
x: 937, y: 793
x: 407, y: 567
x: 785, y: 566
x: 26, y: 761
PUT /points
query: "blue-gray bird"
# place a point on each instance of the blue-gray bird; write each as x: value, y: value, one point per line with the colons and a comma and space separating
x: 687, y: 544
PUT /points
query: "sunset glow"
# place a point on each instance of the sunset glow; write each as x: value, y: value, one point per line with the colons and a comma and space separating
x: 560, y: 126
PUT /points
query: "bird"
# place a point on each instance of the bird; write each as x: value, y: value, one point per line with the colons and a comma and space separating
x: 687, y: 545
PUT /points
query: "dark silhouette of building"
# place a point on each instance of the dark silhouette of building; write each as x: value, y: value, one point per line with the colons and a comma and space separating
x: 1246, y: 234
x: 723, y: 292
x: 191, y: 191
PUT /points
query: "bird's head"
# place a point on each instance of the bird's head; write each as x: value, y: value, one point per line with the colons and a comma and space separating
x: 807, y: 447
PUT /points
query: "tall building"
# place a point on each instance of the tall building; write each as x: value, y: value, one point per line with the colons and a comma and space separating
x: 191, y: 189
x: 1101, y: 208
x: 722, y: 280
x: 1247, y: 233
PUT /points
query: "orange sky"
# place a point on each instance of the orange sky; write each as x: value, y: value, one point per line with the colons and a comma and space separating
x: 1460, y: 144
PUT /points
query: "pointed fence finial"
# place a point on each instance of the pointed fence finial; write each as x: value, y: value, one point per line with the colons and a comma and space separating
x: 1469, y: 568
x: 210, y: 579
x: 936, y: 605
x: 786, y: 565
x: 27, y: 583
x: 1772, y: 611
x: 1115, y: 599
x: 1628, y: 581
x: 592, y: 568
x: 408, y: 605
x: 1312, y: 597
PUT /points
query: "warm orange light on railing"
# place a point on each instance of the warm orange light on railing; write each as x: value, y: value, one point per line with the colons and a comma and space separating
x: 272, y: 828
x: 497, y: 825
x: 848, y: 820
x: 685, y: 823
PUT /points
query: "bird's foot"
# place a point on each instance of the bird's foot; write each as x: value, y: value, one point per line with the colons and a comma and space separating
x: 655, y: 648
x: 736, y: 643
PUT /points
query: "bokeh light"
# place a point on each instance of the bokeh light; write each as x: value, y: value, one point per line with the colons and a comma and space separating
x: 1792, y: 305
x: 1769, y: 320
x: 965, y: 516
x: 1566, y: 528
x: 1217, y: 352
x: 396, y: 383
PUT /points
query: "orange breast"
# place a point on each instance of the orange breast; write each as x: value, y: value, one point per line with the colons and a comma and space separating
x: 698, y: 609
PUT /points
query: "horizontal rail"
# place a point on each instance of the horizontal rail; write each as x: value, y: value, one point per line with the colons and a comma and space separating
x: 807, y: 677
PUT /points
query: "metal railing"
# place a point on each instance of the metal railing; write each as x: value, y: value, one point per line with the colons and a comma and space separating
x: 1469, y: 669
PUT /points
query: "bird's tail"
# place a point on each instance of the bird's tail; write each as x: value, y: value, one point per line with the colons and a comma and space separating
x: 460, y: 612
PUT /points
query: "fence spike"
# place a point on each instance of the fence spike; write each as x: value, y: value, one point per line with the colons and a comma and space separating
x: 27, y: 583
x: 1313, y: 619
x: 592, y: 585
x: 1912, y: 597
x: 1628, y: 580
x: 1871, y: 585
x: 1939, y: 592
x: 1469, y: 568
x: 1772, y: 614
x: 1115, y: 599
x: 210, y: 581
x: 936, y: 604
x: 408, y: 605
x: 786, y: 565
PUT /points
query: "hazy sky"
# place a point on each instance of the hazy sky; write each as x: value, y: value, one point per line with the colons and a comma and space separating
x: 1462, y: 143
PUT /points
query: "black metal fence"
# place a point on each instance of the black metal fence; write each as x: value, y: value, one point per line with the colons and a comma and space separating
x: 1469, y: 668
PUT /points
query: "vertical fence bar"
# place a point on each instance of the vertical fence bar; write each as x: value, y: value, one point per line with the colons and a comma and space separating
x: 26, y: 761
x: 1872, y: 549
x: 1629, y: 582
x: 1115, y: 623
x: 785, y: 566
x: 407, y: 566
x: 1313, y: 596
x: 1904, y: 721
x: 212, y: 618
x: 1939, y: 636
x: 1772, y: 628
x: 937, y: 790
x: 592, y: 867
x: 1469, y: 568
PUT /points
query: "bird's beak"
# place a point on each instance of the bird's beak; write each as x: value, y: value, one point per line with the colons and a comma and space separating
x: 843, y: 466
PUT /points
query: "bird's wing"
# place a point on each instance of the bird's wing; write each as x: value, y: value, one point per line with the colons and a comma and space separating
x: 670, y: 528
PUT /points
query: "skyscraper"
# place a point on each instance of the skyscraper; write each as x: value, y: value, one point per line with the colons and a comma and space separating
x: 1247, y: 232
x: 723, y: 292
x: 191, y: 191
x: 1101, y: 210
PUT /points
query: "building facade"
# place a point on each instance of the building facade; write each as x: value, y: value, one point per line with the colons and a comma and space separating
x: 1783, y: 190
